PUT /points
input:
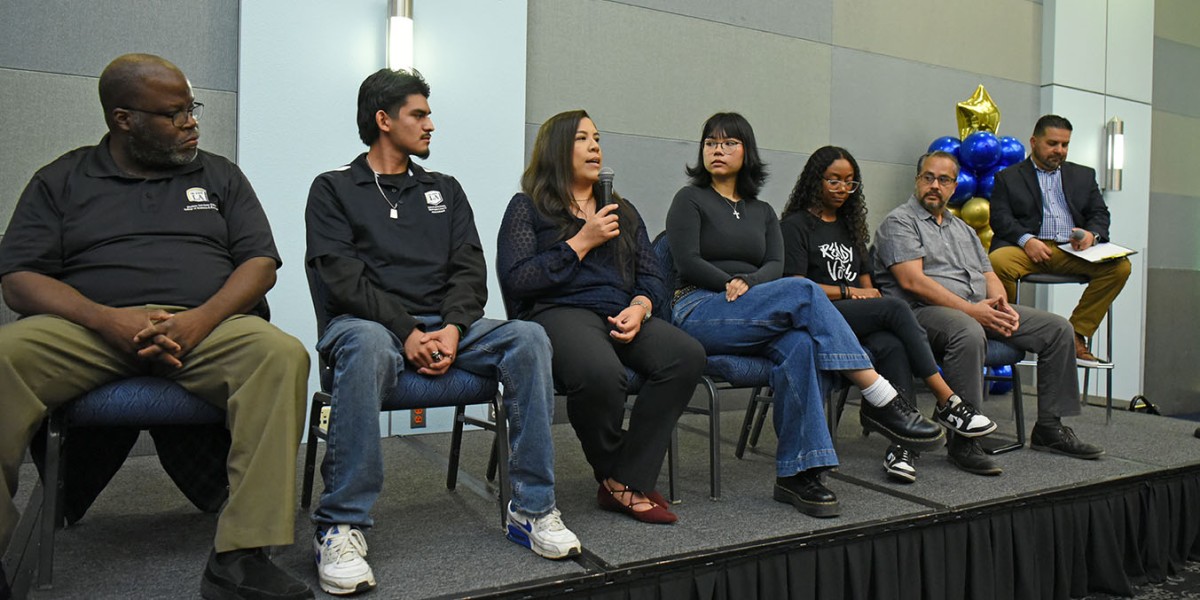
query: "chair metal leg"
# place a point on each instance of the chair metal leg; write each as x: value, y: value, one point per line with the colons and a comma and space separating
x: 747, y: 422
x: 320, y: 399
x: 20, y: 559
x: 672, y: 466
x: 1108, y: 402
x: 760, y: 420
x: 998, y: 446
x: 52, y: 495
x: 455, y: 447
x: 500, y: 447
x: 714, y: 439
x: 833, y: 411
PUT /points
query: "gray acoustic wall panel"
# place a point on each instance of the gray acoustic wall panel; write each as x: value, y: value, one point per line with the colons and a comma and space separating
x: 650, y: 73
x: 1173, y: 240
x: 1171, y: 381
x: 79, y: 38
x: 881, y: 78
x: 44, y: 115
x: 888, y: 109
x: 51, y: 56
x: 804, y: 19
x: 1176, y: 71
x: 998, y: 38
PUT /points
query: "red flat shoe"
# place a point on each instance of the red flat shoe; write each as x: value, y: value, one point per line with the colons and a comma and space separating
x: 658, y: 498
x: 658, y: 514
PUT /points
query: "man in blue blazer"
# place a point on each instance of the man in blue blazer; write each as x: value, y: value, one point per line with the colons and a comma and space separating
x: 1045, y: 201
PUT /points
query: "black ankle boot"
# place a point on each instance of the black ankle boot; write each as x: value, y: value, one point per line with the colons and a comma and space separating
x: 805, y: 491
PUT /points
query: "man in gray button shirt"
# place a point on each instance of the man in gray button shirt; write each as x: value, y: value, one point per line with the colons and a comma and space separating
x: 934, y: 260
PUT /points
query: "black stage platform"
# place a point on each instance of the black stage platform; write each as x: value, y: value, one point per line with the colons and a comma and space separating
x: 1049, y: 527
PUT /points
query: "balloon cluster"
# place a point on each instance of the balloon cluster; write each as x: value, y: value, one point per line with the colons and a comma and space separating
x: 999, y: 387
x: 981, y: 154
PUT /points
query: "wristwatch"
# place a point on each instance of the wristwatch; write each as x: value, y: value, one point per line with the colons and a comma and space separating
x: 643, y: 305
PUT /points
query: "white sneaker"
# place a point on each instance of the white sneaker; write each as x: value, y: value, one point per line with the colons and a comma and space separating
x: 546, y: 535
x: 900, y: 464
x: 962, y: 418
x: 341, y: 561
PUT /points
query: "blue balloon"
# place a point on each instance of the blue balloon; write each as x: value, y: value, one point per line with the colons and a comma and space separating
x: 1000, y: 387
x: 947, y: 143
x: 1012, y: 151
x: 987, y: 183
x: 966, y: 187
x: 980, y: 151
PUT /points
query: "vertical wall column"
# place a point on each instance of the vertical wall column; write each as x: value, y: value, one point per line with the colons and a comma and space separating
x: 1097, y: 63
x: 299, y: 72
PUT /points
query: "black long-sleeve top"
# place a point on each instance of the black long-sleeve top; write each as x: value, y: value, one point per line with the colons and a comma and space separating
x: 711, y: 246
x: 428, y: 260
x: 537, y: 268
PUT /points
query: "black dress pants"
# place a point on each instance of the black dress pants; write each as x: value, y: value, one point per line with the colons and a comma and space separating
x: 897, y: 342
x: 589, y: 369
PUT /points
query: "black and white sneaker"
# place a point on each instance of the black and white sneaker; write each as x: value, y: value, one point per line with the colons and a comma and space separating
x: 901, y: 464
x: 962, y: 418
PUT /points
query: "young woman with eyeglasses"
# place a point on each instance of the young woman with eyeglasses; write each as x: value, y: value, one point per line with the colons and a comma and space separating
x: 730, y: 295
x: 825, y: 236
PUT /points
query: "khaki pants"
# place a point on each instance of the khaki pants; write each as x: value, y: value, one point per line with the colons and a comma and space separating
x: 1107, y: 280
x: 246, y: 366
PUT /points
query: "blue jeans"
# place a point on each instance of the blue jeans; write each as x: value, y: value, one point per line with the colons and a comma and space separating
x: 791, y: 322
x: 367, y: 358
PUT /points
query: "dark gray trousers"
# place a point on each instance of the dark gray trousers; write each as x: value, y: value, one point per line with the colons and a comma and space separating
x: 962, y: 342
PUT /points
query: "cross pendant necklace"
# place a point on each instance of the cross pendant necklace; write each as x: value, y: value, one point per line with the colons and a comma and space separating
x: 732, y: 204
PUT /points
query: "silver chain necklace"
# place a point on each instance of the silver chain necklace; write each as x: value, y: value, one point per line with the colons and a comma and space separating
x: 393, y: 213
x: 732, y: 204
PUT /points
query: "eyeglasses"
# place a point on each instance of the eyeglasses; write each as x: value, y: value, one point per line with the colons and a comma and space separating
x: 835, y: 184
x: 944, y: 180
x: 180, y: 117
x: 726, y: 145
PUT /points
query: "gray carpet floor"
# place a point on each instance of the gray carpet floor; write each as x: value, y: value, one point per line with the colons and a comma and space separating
x: 143, y: 539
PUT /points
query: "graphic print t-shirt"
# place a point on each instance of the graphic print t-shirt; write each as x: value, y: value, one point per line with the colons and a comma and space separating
x: 823, y: 252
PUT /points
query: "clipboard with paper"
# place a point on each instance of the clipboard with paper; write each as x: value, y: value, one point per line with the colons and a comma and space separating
x: 1099, y: 253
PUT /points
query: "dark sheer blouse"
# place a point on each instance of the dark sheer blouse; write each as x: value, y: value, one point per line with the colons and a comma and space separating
x: 537, y: 268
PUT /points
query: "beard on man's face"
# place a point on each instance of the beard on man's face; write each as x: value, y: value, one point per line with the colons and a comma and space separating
x: 157, y: 151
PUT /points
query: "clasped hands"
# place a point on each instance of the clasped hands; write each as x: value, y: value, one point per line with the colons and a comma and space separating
x: 432, y: 352
x: 154, y: 334
x: 997, y: 315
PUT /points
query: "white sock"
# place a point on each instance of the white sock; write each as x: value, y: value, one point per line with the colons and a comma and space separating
x: 879, y: 393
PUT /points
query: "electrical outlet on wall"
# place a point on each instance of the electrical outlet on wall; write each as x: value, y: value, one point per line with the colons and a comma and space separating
x: 416, y: 418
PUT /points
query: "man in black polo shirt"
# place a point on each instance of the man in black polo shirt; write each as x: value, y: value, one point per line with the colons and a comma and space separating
x: 398, y: 260
x: 145, y: 255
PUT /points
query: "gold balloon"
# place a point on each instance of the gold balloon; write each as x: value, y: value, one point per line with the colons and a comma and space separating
x: 977, y: 113
x: 985, y: 238
x: 976, y: 213
x: 954, y: 211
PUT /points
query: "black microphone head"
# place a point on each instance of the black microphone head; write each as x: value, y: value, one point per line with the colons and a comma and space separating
x: 1076, y: 234
x: 606, y: 180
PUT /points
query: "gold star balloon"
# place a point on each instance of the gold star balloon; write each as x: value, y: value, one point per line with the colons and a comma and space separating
x: 977, y: 113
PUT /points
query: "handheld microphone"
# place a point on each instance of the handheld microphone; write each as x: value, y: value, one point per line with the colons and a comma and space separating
x: 1076, y: 234
x: 606, y: 186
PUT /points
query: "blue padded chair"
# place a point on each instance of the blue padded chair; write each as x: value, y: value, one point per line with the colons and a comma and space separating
x: 457, y: 388
x: 721, y: 372
x: 140, y: 402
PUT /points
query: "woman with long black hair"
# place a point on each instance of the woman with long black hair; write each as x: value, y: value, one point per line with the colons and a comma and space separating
x: 586, y: 272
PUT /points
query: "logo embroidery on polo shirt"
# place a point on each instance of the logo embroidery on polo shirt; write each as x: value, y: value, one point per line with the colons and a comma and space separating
x: 198, y: 200
x: 433, y: 201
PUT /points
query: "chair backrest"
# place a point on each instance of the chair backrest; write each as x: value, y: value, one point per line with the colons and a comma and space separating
x: 666, y: 266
